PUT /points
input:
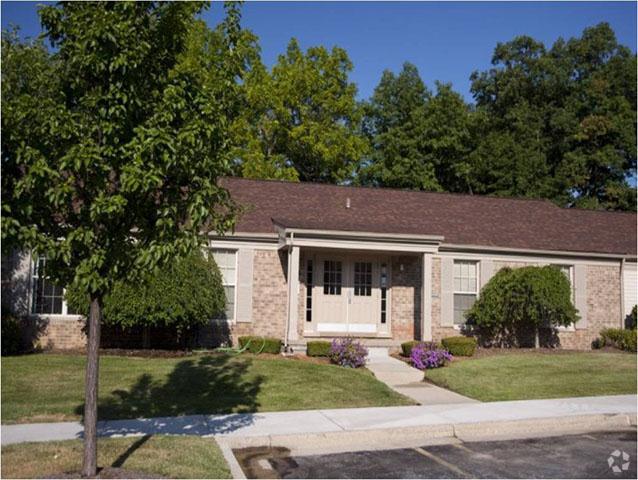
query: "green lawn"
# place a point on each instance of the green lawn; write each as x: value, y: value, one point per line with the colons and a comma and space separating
x: 47, y: 387
x: 539, y: 375
x: 164, y: 456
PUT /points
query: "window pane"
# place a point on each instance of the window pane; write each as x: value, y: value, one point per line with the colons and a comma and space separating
x: 230, y: 302
x: 462, y: 303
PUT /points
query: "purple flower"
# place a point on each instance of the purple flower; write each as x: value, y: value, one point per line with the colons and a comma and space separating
x: 348, y: 353
x: 428, y: 355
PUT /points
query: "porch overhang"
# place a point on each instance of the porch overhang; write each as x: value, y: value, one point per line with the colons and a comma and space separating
x: 348, y: 240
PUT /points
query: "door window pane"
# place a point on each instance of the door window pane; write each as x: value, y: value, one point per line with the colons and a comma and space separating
x: 331, y: 277
x: 363, y: 279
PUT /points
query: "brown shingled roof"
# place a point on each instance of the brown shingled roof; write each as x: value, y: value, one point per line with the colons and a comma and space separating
x: 461, y: 219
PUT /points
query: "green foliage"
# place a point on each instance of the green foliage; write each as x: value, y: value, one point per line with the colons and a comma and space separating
x: 112, y: 144
x: 11, y: 334
x: 516, y: 301
x: 631, y: 320
x: 558, y: 123
x: 460, y: 346
x: 419, y: 140
x: 406, y: 347
x: 618, y: 338
x: 318, y: 349
x: 258, y: 344
x: 183, y: 294
x: 300, y: 120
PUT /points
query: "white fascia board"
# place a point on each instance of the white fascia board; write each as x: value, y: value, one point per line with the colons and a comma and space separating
x: 358, y: 240
x: 244, y: 240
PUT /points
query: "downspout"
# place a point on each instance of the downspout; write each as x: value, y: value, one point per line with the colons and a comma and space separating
x: 287, y: 329
x: 622, y: 293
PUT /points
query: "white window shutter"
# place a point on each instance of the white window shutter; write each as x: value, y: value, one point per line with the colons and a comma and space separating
x: 244, y: 307
x: 447, y: 292
x: 487, y: 271
x: 580, y: 294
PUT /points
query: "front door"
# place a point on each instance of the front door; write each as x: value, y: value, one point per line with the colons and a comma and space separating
x: 363, y: 291
x: 347, y: 295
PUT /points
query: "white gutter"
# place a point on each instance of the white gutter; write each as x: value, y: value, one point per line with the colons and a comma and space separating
x: 560, y: 253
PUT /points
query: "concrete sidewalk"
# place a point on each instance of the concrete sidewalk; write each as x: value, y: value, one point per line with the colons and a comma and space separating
x: 438, y: 420
x: 408, y: 381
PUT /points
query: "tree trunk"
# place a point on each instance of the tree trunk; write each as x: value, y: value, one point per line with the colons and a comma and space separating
x: 537, y: 339
x: 89, y: 464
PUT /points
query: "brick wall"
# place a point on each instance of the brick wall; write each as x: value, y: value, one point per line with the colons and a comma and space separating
x: 54, y: 333
x: 603, y: 306
x: 270, y: 296
x: 405, y: 298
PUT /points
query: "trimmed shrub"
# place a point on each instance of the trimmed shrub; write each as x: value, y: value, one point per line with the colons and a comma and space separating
x: 260, y: 344
x: 518, y: 301
x: 630, y: 321
x: 348, y: 352
x: 406, y: 347
x: 11, y: 334
x: 427, y: 355
x: 618, y: 338
x: 460, y: 346
x: 185, y: 294
x: 318, y: 349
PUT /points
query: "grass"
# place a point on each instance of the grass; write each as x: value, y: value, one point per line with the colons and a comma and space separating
x: 166, y: 456
x: 48, y: 387
x: 539, y: 375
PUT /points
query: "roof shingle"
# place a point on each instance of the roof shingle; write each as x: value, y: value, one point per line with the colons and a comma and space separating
x: 461, y: 219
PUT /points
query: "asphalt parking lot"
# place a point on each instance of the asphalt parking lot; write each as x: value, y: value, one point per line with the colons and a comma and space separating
x: 571, y: 456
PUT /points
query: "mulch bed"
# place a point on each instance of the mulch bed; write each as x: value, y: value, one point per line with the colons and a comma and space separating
x: 108, y: 472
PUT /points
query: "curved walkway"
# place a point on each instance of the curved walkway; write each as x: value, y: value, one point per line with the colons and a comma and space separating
x: 408, y: 381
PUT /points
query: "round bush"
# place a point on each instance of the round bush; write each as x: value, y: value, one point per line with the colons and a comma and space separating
x: 348, y: 352
x: 187, y: 293
x: 518, y: 301
x: 318, y: 349
x: 460, y: 346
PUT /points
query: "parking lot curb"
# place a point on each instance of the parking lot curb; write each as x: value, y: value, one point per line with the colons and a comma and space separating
x: 403, y: 437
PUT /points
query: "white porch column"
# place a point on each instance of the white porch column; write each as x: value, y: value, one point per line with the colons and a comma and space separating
x: 426, y: 297
x: 293, y: 293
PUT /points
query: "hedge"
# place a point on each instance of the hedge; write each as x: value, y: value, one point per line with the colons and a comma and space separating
x: 618, y: 338
x: 460, y: 346
x: 406, y: 347
x: 319, y: 348
x: 260, y: 344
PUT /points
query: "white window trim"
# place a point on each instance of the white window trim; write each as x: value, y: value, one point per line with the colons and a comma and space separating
x: 477, y: 264
x: 65, y: 308
x: 236, y: 254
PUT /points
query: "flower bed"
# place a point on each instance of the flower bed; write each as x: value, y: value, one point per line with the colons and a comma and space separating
x: 427, y: 355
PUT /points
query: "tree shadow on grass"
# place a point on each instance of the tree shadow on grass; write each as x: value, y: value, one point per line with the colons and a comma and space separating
x: 215, y: 384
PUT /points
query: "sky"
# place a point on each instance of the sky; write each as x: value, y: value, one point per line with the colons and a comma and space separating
x: 447, y: 41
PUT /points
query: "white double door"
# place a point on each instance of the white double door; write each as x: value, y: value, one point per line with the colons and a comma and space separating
x: 347, y: 295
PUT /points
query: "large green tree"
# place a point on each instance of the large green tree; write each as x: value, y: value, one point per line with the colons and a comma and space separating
x: 112, y: 146
x: 420, y: 140
x: 301, y: 119
x: 558, y: 123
